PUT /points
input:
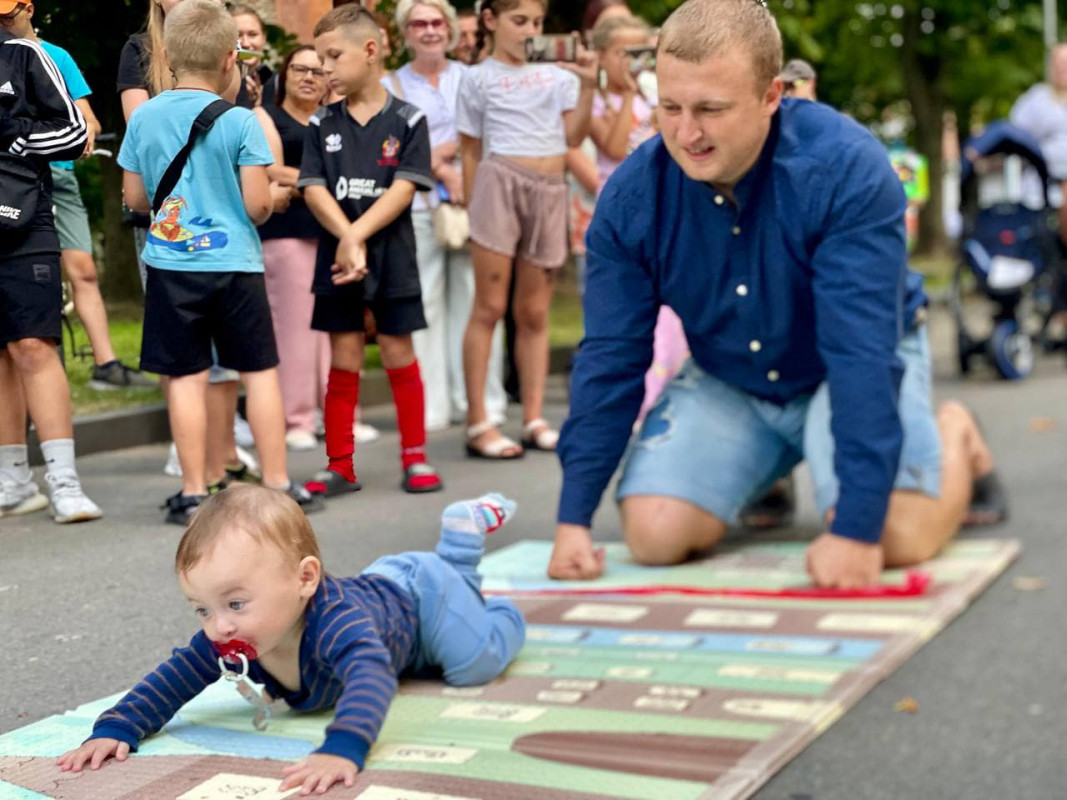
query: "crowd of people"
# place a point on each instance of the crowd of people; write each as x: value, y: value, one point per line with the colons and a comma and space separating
x: 286, y: 218
x: 748, y: 306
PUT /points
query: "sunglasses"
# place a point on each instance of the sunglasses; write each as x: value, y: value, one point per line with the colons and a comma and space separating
x: 300, y: 70
x: 426, y: 24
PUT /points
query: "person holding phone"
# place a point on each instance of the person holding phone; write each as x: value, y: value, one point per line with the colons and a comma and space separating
x: 522, y: 117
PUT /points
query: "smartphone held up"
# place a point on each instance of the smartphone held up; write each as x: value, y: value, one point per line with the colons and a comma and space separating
x: 552, y: 47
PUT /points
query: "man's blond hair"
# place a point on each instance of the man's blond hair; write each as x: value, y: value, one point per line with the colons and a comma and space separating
x: 701, y: 29
x: 269, y: 516
x: 198, y: 35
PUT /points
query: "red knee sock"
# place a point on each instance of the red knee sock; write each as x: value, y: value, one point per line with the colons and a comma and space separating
x: 410, y: 401
x: 342, y: 397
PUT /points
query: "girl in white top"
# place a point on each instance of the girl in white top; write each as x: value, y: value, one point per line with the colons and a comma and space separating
x: 521, y: 118
x: 431, y: 83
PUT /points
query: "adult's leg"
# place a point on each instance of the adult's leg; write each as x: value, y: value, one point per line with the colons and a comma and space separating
x: 431, y: 343
x: 492, y: 273
x: 187, y: 408
x: 533, y: 297
x: 81, y: 271
x: 918, y: 526
x: 267, y: 418
x: 288, y: 270
x: 45, y: 384
x: 662, y: 530
x: 12, y: 403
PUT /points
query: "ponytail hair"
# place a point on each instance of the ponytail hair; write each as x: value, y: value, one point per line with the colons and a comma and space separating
x: 157, y: 70
x: 496, y: 8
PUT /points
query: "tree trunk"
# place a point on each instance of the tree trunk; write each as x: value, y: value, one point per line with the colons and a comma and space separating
x: 119, y: 279
x: 922, y: 85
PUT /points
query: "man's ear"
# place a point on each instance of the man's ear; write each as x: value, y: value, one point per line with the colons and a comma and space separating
x: 310, y: 575
x: 772, y: 97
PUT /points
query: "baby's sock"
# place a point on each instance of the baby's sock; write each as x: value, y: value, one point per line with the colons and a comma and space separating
x: 485, y: 514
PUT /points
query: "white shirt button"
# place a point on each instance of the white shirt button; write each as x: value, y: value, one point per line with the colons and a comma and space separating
x: 755, y: 346
x: 773, y: 375
x: 719, y: 200
x: 737, y: 231
x: 742, y: 290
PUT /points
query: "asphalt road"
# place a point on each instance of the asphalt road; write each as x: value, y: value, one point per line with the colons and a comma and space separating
x: 86, y: 610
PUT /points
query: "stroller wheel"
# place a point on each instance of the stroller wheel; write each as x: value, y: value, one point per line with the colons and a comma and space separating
x: 1011, y: 350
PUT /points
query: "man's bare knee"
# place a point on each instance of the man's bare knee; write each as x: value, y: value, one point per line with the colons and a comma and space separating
x: 915, y: 530
x: 31, y: 355
x: 663, y: 530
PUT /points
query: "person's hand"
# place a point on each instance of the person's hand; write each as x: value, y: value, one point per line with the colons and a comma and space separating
x: 452, y: 178
x: 90, y: 143
x: 254, y: 87
x: 351, y: 264
x: 573, y: 555
x: 835, y: 562
x: 319, y: 771
x: 586, y: 66
x: 280, y: 197
x: 94, y: 753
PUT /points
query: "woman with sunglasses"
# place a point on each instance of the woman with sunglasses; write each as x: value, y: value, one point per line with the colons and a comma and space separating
x: 431, y: 82
x: 290, y: 239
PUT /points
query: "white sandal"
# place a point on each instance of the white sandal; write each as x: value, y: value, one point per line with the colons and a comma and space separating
x: 537, y: 434
x: 496, y: 450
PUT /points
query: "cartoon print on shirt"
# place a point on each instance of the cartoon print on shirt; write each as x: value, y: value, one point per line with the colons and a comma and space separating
x: 167, y: 229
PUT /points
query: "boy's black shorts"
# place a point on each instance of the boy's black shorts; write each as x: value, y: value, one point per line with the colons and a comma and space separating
x: 31, y: 297
x: 342, y: 312
x: 185, y: 312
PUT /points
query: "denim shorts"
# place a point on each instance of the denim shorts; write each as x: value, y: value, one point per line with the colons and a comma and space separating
x: 719, y: 448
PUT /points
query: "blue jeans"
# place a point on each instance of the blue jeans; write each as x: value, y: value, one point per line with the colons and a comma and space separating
x: 469, y: 638
x: 719, y: 448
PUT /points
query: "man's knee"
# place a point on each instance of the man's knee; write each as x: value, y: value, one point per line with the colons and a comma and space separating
x: 664, y: 530
x: 32, y: 355
x: 914, y: 531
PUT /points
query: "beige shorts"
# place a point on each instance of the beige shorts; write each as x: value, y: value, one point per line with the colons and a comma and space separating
x: 519, y: 213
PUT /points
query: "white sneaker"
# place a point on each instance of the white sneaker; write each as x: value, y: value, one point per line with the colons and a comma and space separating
x: 21, y: 498
x: 246, y: 458
x: 365, y: 434
x: 173, y: 467
x: 301, y: 440
x: 242, y: 432
x: 69, y: 503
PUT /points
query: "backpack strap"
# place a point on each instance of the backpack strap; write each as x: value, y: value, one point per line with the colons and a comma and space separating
x: 202, y: 124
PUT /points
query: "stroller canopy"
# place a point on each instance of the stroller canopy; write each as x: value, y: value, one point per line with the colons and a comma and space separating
x: 1002, y: 137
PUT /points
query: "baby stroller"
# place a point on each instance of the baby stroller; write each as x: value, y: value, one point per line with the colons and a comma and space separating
x: 1008, y: 243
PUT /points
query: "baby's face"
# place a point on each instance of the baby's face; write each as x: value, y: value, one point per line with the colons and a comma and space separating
x: 247, y: 591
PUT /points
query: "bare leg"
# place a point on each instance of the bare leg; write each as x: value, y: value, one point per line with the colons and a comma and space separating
x: 220, y: 446
x: 187, y: 407
x: 46, y: 390
x: 665, y: 530
x: 917, y: 526
x: 12, y: 402
x: 492, y: 273
x: 267, y: 418
x: 533, y: 296
x: 81, y: 270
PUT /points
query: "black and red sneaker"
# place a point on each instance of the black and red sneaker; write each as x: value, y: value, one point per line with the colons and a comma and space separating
x: 420, y: 478
x: 330, y: 484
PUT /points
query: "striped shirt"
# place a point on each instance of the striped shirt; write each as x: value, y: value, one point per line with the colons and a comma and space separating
x: 360, y: 635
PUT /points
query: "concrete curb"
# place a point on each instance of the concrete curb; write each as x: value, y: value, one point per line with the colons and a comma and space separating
x: 134, y: 427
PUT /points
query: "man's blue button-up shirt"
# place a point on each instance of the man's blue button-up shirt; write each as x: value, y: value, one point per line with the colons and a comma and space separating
x: 800, y: 279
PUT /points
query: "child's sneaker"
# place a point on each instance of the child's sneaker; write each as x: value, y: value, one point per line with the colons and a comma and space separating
x: 330, y: 484
x: 365, y: 434
x: 309, y: 503
x: 69, y: 501
x: 181, y: 507
x: 116, y: 375
x: 301, y: 441
x: 173, y: 467
x: 421, y: 478
x: 242, y: 432
x: 17, y: 499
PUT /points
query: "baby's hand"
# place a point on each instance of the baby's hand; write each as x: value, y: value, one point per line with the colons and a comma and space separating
x: 95, y: 752
x: 319, y: 771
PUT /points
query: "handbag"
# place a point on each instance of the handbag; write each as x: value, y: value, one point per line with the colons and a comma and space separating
x: 451, y: 223
x: 451, y: 226
x: 21, y: 192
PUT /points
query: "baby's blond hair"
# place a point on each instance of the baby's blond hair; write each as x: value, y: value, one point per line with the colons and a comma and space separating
x: 270, y: 517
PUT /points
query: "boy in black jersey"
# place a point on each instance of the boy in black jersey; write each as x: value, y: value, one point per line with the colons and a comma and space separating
x: 364, y: 159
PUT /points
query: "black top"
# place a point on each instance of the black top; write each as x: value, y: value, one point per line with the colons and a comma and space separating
x: 133, y: 65
x: 298, y: 222
x: 358, y: 163
x: 39, y: 123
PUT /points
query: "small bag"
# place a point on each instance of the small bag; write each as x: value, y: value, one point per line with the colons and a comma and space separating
x: 451, y: 226
x: 201, y: 125
x: 21, y: 192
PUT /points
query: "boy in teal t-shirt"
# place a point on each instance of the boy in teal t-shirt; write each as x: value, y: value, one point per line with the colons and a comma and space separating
x: 205, y: 266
